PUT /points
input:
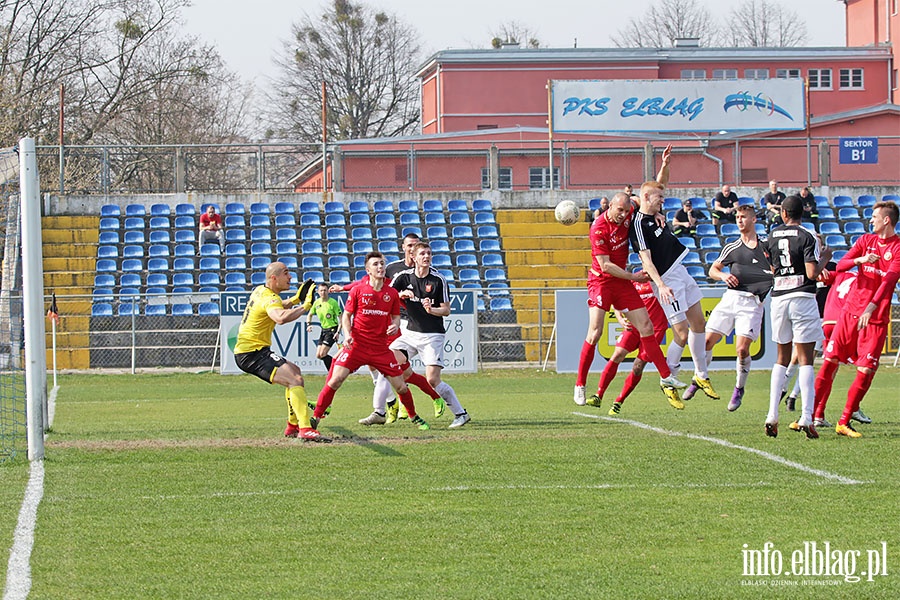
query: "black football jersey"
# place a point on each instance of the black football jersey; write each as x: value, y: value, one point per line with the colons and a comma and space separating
x: 790, y: 248
x: 664, y: 247
x: 432, y: 286
x: 750, y: 265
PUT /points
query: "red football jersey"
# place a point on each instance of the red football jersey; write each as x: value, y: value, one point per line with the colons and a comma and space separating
x: 875, y: 281
x: 609, y: 239
x: 834, y: 304
x: 372, y: 312
x: 657, y: 314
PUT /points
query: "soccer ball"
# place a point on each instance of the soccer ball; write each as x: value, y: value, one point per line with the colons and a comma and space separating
x: 567, y: 212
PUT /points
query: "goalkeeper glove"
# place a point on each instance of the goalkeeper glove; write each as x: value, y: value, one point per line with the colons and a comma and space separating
x: 304, y: 296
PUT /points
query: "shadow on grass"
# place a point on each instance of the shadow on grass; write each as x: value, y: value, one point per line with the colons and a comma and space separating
x: 375, y: 447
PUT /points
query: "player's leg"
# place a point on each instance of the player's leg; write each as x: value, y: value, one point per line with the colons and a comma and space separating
x: 345, y: 364
x: 855, y: 394
x: 841, y: 345
x: 697, y: 344
x: 806, y: 375
x: 595, y: 324
x: 868, y: 354
x: 289, y: 375
x: 721, y: 323
x: 293, y: 424
x: 406, y: 399
x: 649, y: 345
x: 623, y: 347
x: 631, y: 382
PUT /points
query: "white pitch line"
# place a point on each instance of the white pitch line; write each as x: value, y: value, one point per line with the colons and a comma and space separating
x: 727, y: 444
x: 18, y: 570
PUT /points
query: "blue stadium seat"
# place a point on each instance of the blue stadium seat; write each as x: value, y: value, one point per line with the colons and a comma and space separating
x: 484, y: 218
x: 487, y: 231
x: 127, y: 309
x: 210, y: 309
x: 158, y: 250
x: 157, y: 280
x: 133, y: 237
x: 311, y: 248
x: 463, y: 245
x: 108, y: 237
x: 340, y: 276
x: 134, y: 265
x: 314, y: 275
x: 842, y: 202
x: 258, y: 263
x: 259, y: 208
x: 104, y: 281
x: 405, y: 231
x: 235, y: 278
x: 260, y: 221
x: 696, y: 271
x: 110, y: 210
x: 160, y: 210
x: 457, y: 206
x: 257, y: 278
x: 388, y: 247
x: 206, y: 205
x: 261, y: 249
x: 284, y: 208
x: 384, y: 219
x: 593, y: 204
x: 383, y: 206
x: 182, y: 310
x: 309, y: 208
x: 361, y: 233
x: 282, y: 248
x: 338, y: 247
x: 338, y: 262
x: 469, y: 275
x: 232, y: 221
x: 109, y: 224
x: 436, y: 233
x: 710, y: 257
x: 847, y: 213
x: 285, y: 221
x: 706, y: 229
x: 311, y: 262
x: 386, y: 233
x: 134, y: 222
x: 135, y: 210
x: 334, y: 208
x: 494, y: 275
x: 501, y: 304
x: 838, y: 255
x: 439, y: 246
x: 309, y: 234
x: 745, y: 200
x: 730, y: 229
x: 865, y: 200
x: 687, y: 242
x: 184, y: 222
x: 155, y: 310
x: 459, y: 218
x: 234, y: 208
x: 441, y: 261
x: 634, y: 258
x: 671, y: 204
x: 826, y: 213
x: 835, y: 241
x: 336, y: 233
x: 867, y: 213
x: 829, y: 227
x: 430, y: 206
x: 360, y: 220
x: 852, y: 228
x: 210, y: 250
x: 489, y: 245
x: 260, y: 235
x: 109, y: 251
x: 184, y: 210
x: 482, y: 205
x: 235, y: 235
x: 289, y: 261
x: 498, y: 288
x: 362, y: 247
x: 235, y: 263
x: 891, y: 198
x: 310, y: 220
x: 491, y: 260
x: 407, y: 206
x: 104, y: 294
x: 710, y: 243
x: 335, y: 220
x: 435, y: 218
x: 185, y: 250
x: 358, y: 207
x: 691, y: 258
x: 466, y: 260
x: 101, y: 309
x: 181, y: 264
x: 359, y: 261
x: 209, y: 263
x: 160, y: 236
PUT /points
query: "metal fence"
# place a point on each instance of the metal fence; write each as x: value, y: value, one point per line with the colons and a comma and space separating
x: 12, y: 346
x: 455, y: 165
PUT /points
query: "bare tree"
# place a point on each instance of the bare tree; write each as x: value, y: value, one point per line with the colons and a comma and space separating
x: 666, y: 21
x: 766, y: 23
x: 367, y: 60
x: 514, y: 32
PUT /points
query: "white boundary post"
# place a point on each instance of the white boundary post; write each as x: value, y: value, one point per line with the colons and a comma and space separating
x: 33, y: 298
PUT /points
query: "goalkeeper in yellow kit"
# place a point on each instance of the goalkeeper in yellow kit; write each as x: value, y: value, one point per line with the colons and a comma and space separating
x: 253, y: 353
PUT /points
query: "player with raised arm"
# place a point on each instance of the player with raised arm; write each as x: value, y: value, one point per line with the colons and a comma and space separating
x: 370, y: 321
x: 862, y: 327
x: 609, y: 284
x: 253, y: 353
x: 749, y: 281
x: 661, y: 254
x: 797, y: 261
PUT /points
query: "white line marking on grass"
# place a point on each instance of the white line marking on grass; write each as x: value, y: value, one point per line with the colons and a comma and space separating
x: 727, y: 444
x: 18, y: 571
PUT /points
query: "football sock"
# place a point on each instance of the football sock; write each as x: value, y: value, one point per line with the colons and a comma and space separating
x: 709, y: 357
x: 776, y: 384
x: 420, y: 382
x: 326, y: 397
x: 791, y: 371
x: 449, y: 396
x: 630, y: 383
x: 584, y: 363
x: 651, y: 348
x: 382, y: 393
x: 673, y: 355
x: 858, y: 389
x: 806, y: 377
x: 406, y: 399
x: 298, y: 405
x: 697, y: 344
x: 609, y: 373
x: 795, y: 391
x: 292, y: 416
x: 824, y: 381
x: 743, y: 370
x: 327, y: 360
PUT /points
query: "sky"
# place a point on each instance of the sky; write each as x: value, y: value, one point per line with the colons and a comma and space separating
x: 249, y: 34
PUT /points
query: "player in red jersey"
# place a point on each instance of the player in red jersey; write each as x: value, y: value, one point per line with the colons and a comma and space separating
x: 609, y: 284
x: 862, y: 327
x: 628, y: 342
x: 370, y: 321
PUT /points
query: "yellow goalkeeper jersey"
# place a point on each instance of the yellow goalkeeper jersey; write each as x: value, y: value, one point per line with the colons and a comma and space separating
x: 256, y: 327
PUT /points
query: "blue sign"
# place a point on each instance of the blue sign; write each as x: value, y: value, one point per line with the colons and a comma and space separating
x: 859, y: 151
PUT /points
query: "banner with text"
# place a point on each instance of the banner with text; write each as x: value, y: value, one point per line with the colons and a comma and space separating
x: 677, y: 105
x: 293, y: 342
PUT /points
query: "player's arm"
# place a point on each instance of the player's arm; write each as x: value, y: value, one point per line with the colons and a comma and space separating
x: 882, y: 294
x: 283, y: 315
x: 665, y: 292
x: 346, y: 325
x: 662, y: 178
x: 336, y: 287
x: 813, y: 269
x: 716, y: 272
x: 610, y: 268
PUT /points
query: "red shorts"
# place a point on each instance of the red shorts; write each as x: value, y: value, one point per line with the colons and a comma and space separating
x: 828, y: 328
x: 613, y: 291
x: 381, y: 359
x: 630, y: 340
x: 847, y: 345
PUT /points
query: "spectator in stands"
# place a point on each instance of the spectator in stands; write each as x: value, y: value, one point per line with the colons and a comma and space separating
x: 211, y: 228
x: 604, y: 204
x: 810, y: 210
x: 628, y: 190
x: 773, y: 202
x: 724, y: 206
x: 685, y: 221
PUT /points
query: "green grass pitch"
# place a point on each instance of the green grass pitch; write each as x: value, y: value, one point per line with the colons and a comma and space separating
x: 181, y: 486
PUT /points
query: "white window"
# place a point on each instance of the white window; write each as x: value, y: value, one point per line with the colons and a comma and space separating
x: 820, y: 79
x: 539, y: 178
x: 693, y: 73
x: 725, y: 74
x: 756, y: 73
x: 504, y: 174
x: 787, y: 73
x: 851, y: 79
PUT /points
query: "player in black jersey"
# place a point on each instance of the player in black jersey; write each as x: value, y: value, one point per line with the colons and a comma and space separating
x: 749, y: 281
x: 678, y: 293
x: 797, y: 261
